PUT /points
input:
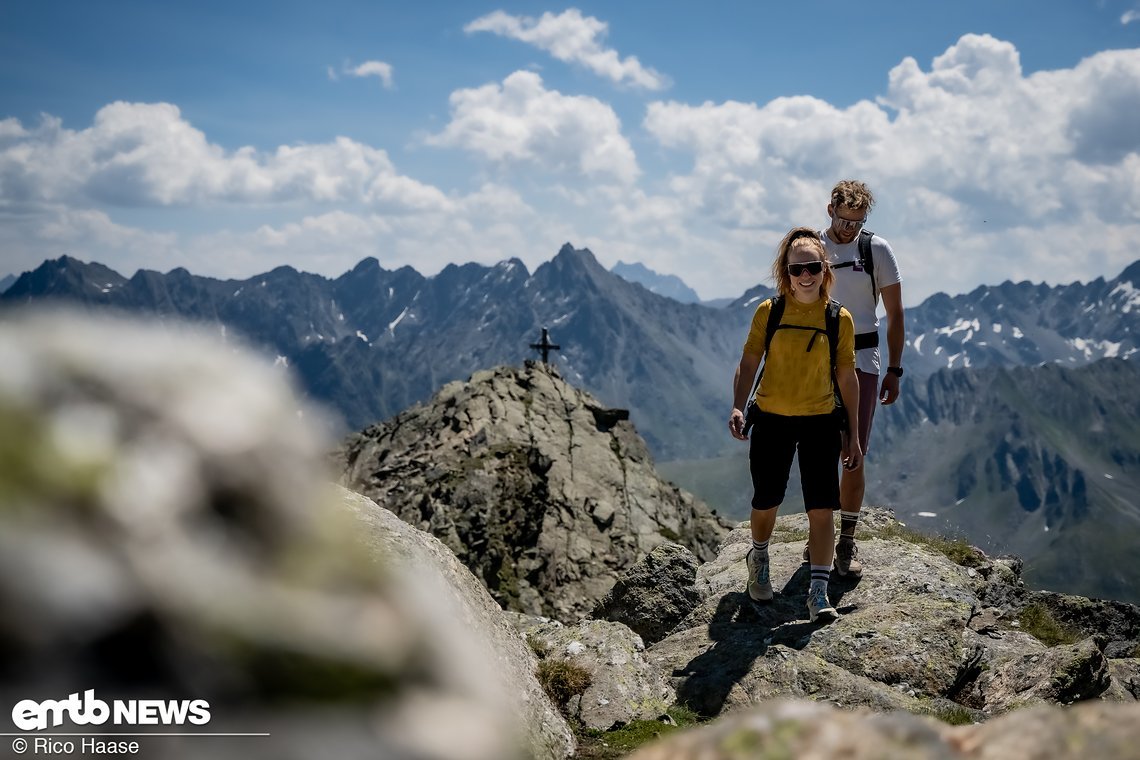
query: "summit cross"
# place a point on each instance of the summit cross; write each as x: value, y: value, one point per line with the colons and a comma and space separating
x: 545, y: 346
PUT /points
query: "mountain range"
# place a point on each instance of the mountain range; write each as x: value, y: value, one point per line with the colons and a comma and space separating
x: 373, y: 342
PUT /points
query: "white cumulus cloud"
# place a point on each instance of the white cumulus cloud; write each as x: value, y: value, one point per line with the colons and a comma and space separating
x: 142, y: 154
x: 572, y: 38
x: 971, y: 160
x: 522, y: 122
x: 379, y: 69
x: 1130, y: 16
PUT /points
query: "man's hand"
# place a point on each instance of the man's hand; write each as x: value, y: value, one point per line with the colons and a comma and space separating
x: 736, y: 425
x: 889, y: 390
x: 852, y: 454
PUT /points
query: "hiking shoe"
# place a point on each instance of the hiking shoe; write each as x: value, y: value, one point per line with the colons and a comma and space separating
x: 759, y: 585
x: 819, y: 609
x: 845, y: 563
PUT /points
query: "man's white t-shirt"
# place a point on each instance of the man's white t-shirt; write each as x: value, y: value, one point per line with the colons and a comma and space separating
x: 853, y: 289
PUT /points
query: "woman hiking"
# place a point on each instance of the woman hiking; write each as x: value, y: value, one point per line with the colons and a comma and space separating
x: 794, y: 409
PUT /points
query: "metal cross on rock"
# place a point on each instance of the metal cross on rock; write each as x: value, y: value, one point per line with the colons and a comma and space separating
x: 545, y: 346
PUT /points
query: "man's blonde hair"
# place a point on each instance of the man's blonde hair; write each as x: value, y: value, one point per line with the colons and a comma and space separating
x: 808, y: 238
x: 853, y: 194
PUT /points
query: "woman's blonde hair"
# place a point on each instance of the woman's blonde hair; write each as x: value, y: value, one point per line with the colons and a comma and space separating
x: 804, y: 237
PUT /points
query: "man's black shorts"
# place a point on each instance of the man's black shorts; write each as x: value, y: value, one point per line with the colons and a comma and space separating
x: 775, y: 440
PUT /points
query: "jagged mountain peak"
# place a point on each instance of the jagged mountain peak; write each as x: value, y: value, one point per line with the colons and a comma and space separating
x: 284, y: 269
x: 1131, y: 273
x: 367, y: 264
x: 568, y: 254
x: 65, y: 262
x: 752, y: 297
x: 65, y: 277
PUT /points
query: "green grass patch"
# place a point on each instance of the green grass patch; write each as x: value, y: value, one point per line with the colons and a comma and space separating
x: 789, y: 535
x: 562, y: 680
x: 594, y: 744
x: 959, y: 552
x: 1038, y: 621
x: 538, y: 645
x: 954, y: 716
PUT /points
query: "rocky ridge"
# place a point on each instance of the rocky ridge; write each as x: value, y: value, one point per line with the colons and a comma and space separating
x: 542, y: 491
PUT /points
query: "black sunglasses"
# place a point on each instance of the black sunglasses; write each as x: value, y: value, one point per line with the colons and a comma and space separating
x: 811, y: 267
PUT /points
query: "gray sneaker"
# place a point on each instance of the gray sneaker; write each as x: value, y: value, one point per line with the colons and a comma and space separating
x: 845, y: 563
x: 759, y: 585
x: 819, y: 609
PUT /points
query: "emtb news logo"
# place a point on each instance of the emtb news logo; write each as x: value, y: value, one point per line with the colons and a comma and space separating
x: 30, y: 715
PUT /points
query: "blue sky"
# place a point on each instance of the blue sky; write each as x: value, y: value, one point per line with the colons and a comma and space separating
x: 1002, y: 137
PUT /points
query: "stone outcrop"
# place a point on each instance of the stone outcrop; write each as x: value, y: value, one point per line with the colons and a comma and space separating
x: 624, y: 685
x: 167, y: 531
x: 544, y: 493
x: 655, y: 594
x: 919, y: 632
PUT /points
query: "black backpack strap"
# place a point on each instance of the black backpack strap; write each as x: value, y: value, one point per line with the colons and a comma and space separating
x: 831, y: 323
x: 868, y: 260
x: 774, y: 316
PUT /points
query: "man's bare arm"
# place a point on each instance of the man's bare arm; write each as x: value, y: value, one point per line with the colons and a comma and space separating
x: 896, y: 339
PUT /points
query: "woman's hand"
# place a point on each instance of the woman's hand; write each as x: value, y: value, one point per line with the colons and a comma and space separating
x: 736, y: 425
x: 852, y: 454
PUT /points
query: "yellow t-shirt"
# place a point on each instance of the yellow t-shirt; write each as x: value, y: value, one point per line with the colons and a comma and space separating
x: 796, y: 381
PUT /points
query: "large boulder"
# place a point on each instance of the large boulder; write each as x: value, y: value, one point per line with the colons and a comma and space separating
x: 654, y: 595
x: 624, y: 685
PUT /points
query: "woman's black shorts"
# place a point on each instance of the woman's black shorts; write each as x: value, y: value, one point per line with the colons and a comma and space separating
x: 775, y: 440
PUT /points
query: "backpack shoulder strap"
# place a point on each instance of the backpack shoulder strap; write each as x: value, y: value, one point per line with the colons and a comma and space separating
x: 868, y: 259
x: 831, y: 323
x: 775, y: 314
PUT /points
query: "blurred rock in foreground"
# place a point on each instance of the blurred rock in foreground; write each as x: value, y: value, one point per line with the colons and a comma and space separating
x: 167, y: 532
x: 789, y: 729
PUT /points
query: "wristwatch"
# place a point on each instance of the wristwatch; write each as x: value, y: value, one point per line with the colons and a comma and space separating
x: 896, y: 371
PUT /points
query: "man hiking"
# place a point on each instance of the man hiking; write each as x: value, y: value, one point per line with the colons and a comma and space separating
x: 865, y: 274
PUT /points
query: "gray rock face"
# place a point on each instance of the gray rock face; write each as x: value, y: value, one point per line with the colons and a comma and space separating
x: 490, y: 649
x: 918, y: 632
x: 655, y: 594
x: 167, y: 532
x: 544, y: 493
x: 1061, y: 674
x: 624, y: 686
